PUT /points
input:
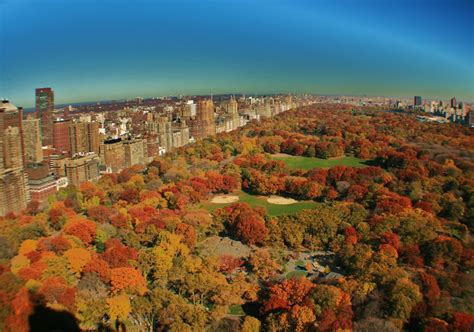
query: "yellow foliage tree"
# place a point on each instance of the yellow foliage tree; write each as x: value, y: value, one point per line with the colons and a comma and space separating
x: 27, y: 246
x: 163, y: 263
x: 18, y: 262
x: 301, y: 316
x: 78, y: 258
x: 251, y: 324
x: 119, y: 307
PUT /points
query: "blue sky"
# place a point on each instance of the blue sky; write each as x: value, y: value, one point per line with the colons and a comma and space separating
x: 98, y: 50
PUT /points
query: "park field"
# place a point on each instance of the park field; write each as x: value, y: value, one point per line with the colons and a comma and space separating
x: 307, y: 163
x: 272, y: 209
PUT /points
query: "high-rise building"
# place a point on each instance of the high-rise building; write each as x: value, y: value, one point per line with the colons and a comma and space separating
x: 454, y: 102
x: 417, y: 101
x: 93, y: 137
x: 61, y: 136
x: 77, y: 138
x: 84, y: 137
x: 113, y: 155
x: 232, y: 110
x: 204, y: 124
x: 13, y: 117
x: 470, y: 118
x: 14, y: 195
x: 82, y: 168
x: 44, y: 112
x: 32, y: 140
x: 135, y: 152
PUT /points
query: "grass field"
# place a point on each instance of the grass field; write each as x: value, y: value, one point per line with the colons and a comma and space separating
x: 236, y: 310
x: 309, y: 163
x: 296, y: 274
x: 272, y: 209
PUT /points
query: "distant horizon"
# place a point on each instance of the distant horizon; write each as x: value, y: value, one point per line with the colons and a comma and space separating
x: 105, y: 50
x: 89, y: 102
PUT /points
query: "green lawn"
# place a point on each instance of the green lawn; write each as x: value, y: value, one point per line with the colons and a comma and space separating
x: 272, y: 209
x: 309, y: 163
x: 296, y: 274
x: 236, y: 309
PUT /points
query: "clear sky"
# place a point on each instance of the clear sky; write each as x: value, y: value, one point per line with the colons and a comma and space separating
x: 89, y: 50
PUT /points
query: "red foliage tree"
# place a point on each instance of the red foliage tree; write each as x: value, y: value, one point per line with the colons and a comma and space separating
x: 84, y: 229
x: 228, y: 263
x: 98, y: 266
x: 117, y: 255
x: 357, y: 192
x: 462, y: 322
x: 57, y: 244
x: 350, y: 235
x: 250, y: 228
x: 119, y: 220
x: 21, y: 310
x: 100, y: 213
x: 55, y: 290
x: 188, y: 232
x: 131, y: 195
x: 391, y: 239
x: 431, y: 289
x: 436, y: 325
x: 287, y: 293
x: 411, y: 254
x: 128, y: 278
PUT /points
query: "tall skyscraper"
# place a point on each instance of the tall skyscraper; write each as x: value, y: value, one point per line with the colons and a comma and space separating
x: 32, y: 139
x: 44, y: 112
x: 233, y: 111
x: 77, y: 138
x: 417, y: 101
x: 84, y: 137
x: 14, y: 193
x: 454, y: 102
x: 61, y: 136
x: 204, y: 125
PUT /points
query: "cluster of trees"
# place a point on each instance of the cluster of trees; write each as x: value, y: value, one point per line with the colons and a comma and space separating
x: 127, y: 248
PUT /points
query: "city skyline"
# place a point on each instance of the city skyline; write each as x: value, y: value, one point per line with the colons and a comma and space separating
x: 117, y: 51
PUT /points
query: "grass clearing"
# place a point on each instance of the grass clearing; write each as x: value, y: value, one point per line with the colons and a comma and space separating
x: 296, y: 274
x: 237, y: 310
x: 307, y: 163
x: 300, y: 263
x: 272, y: 209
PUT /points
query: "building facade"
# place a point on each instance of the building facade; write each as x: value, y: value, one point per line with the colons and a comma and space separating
x: 42, y: 183
x: 134, y: 152
x: 14, y: 195
x: 44, y: 112
x: 32, y: 141
x: 61, y: 136
x: 82, y: 168
x: 113, y: 155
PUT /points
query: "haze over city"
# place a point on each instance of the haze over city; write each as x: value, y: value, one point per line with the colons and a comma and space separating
x: 102, y: 50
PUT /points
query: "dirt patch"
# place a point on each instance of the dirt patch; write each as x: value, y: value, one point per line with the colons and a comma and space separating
x: 281, y: 200
x: 216, y: 246
x: 224, y: 199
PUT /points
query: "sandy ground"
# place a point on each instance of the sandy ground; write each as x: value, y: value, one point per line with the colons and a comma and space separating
x: 280, y: 200
x: 281, y: 155
x: 223, y: 199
